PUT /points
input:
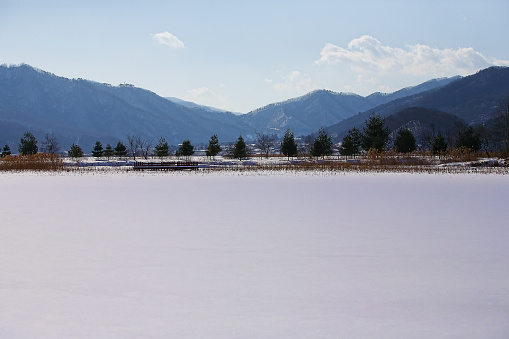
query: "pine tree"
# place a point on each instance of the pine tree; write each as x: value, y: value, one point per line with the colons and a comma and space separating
x: 6, y: 151
x: 98, y: 150
x: 185, y: 150
x: 214, y: 147
x: 405, y: 141
x: 162, y: 149
x: 240, y: 149
x: 75, y: 151
x: 120, y: 150
x: 439, y: 144
x: 322, y: 145
x: 108, y: 151
x: 376, y: 134
x: 28, y: 144
x: 351, y: 142
x: 288, y: 145
x: 469, y: 139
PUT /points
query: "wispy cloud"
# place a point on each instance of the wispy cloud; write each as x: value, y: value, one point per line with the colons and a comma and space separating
x: 208, y: 97
x: 197, y: 92
x: 368, y: 55
x: 293, y: 82
x: 168, y: 39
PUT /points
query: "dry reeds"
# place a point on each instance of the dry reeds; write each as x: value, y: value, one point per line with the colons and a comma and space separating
x: 375, y: 162
x: 379, y: 162
x: 461, y: 154
x: 359, y: 167
x: 33, y: 162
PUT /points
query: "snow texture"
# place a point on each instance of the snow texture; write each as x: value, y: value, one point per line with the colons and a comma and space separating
x: 176, y: 255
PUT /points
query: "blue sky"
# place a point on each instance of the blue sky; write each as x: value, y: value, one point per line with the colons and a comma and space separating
x: 241, y: 55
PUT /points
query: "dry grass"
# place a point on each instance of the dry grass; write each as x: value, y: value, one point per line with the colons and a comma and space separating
x: 461, y: 154
x: 453, y: 161
x: 385, y: 161
x: 377, y: 165
x: 35, y: 162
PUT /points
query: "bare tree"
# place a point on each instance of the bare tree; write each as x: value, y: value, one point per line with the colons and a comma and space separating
x: 427, y: 137
x: 138, y: 146
x: 305, y: 146
x: 144, y: 146
x: 132, y: 143
x: 265, y: 143
x: 502, y: 117
x: 485, y: 136
x: 50, y: 144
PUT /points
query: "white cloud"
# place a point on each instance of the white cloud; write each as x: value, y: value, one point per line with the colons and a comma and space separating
x: 368, y: 55
x: 168, y: 39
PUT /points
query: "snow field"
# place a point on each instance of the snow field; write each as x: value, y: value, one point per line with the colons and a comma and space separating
x: 176, y: 255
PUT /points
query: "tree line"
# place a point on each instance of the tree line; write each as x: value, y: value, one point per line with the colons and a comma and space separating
x: 136, y: 146
x: 493, y: 135
x: 375, y: 135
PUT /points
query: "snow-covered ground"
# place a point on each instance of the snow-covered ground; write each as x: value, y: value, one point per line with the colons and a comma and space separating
x: 223, y: 255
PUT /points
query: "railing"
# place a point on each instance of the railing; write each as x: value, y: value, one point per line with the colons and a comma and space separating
x: 177, y: 165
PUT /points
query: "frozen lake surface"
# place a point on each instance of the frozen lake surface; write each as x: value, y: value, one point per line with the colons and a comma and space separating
x: 176, y: 255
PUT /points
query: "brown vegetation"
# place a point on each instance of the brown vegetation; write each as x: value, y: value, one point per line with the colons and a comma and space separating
x: 452, y: 161
x: 384, y: 161
x: 33, y: 162
x: 351, y: 167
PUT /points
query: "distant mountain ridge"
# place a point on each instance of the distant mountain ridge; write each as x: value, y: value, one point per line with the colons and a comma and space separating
x: 429, y: 85
x: 471, y: 99
x: 190, y: 104
x: 83, y: 111
x: 324, y: 108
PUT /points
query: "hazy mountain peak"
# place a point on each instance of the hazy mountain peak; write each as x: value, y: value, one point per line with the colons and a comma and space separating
x: 191, y: 104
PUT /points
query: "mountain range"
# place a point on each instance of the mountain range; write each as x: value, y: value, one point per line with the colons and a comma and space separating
x: 83, y: 111
x: 471, y: 100
x: 323, y: 108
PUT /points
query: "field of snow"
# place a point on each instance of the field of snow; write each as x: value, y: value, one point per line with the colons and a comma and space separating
x: 222, y: 255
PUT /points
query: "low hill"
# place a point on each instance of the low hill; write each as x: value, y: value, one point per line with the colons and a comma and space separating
x: 429, y: 118
x: 424, y: 123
